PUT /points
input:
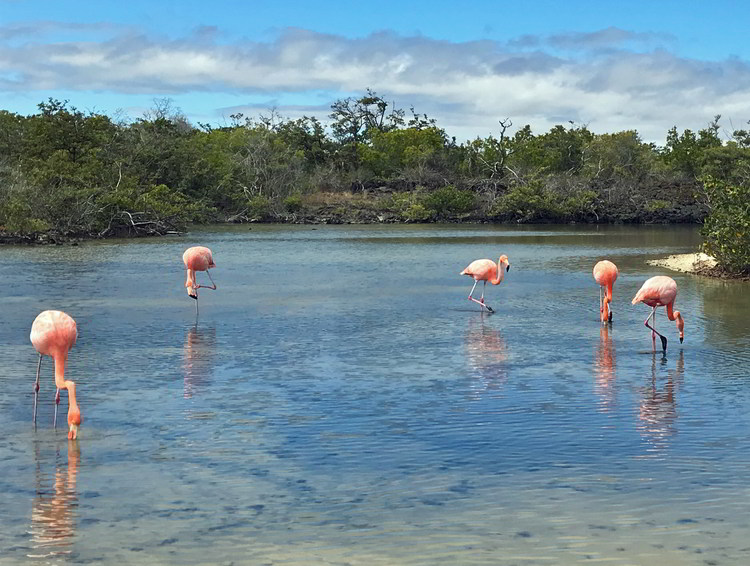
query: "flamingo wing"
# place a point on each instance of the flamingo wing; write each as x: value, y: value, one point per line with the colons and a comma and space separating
x: 657, y: 291
x: 481, y: 269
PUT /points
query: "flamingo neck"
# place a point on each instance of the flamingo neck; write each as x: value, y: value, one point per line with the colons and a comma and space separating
x: 60, y: 360
x: 675, y: 315
x: 605, y: 303
x: 61, y: 383
x: 499, y: 274
x: 190, y: 283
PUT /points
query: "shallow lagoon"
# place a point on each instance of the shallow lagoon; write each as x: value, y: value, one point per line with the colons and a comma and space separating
x: 339, y: 401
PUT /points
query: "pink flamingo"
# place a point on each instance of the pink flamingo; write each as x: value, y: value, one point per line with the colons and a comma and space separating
x: 660, y: 291
x: 605, y: 273
x: 486, y: 270
x: 53, y: 333
x: 197, y: 258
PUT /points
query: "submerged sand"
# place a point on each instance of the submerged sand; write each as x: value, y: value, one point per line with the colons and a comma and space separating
x: 687, y: 263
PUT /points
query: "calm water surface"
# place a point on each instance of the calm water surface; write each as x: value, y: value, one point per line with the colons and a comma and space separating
x: 339, y: 401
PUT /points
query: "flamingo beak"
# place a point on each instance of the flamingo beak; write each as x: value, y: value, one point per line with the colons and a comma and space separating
x: 507, y: 268
x: 73, y: 432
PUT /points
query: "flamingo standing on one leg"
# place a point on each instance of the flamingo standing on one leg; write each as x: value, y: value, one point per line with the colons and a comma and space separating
x: 53, y: 333
x: 486, y: 270
x: 605, y: 273
x: 197, y: 258
x: 660, y: 291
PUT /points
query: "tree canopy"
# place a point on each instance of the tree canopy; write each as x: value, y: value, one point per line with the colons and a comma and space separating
x: 81, y: 173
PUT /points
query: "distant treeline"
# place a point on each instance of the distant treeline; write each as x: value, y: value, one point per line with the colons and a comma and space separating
x: 68, y: 173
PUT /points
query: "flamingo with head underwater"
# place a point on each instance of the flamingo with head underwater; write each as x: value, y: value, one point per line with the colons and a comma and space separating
x: 53, y: 333
x: 605, y: 273
x: 660, y: 291
x: 197, y: 258
x: 486, y: 270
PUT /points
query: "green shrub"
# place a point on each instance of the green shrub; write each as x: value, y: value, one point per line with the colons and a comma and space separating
x: 449, y: 200
x: 656, y: 205
x: 528, y: 203
x: 726, y: 230
x: 258, y: 207
x: 416, y: 212
x: 293, y: 203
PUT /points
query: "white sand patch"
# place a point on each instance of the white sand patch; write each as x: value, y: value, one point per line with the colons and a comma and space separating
x: 687, y: 263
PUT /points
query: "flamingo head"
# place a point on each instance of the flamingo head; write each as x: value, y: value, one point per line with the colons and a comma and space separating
x: 504, y: 260
x: 75, y: 419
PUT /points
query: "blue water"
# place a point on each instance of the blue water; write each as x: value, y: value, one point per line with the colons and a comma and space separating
x: 339, y: 401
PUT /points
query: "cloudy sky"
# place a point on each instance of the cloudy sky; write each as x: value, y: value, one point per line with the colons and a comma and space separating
x: 637, y: 64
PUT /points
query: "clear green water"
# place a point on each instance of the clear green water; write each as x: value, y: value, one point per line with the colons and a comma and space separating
x: 339, y: 401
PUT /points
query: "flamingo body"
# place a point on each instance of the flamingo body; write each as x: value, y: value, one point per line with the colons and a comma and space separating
x: 658, y: 291
x: 486, y: 270
x: 605, y: 274
x: 53, y: 333
x: 661, y: 291
x: 483, y: 270
x: 197, y: 258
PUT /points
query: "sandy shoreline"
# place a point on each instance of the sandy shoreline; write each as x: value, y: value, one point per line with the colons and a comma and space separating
x: 686, y: 263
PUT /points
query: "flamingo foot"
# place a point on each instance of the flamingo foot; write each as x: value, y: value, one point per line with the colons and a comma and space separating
x: 481, y: 304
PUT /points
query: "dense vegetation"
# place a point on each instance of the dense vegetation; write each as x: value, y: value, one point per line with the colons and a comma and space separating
x: 64, y: 172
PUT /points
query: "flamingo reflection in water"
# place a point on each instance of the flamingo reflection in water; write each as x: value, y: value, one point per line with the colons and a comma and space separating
x: 604, y: 370
x: 487, y: 354
x: 53, y: 513
x: 658, y: 407
x: 199, y: 358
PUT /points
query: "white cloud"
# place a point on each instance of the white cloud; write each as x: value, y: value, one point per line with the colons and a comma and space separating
x: 611, y: 79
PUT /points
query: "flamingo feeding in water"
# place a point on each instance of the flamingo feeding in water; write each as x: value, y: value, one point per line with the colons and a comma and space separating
x: 53, y: 334
x: 660, y: 291
x: 605, y: 273
x: 197, y: 258
x: 486, y: 270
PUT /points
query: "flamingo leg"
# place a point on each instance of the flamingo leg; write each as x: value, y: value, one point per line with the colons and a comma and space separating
x: 480, y: 302
x: 654, y: 333
x: 57, y: 402
x: 472, y: 290
x: 213, y: 285
x: 36, y: 386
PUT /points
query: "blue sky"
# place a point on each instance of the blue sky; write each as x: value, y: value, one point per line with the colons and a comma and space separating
x: 644, y: 65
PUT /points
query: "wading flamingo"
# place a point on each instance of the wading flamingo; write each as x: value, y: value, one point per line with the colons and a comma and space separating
x: 486, y: 270
x: 605, y: 273
x: 53, y: 334
x: 660, y: 291
x: 195, y: 259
